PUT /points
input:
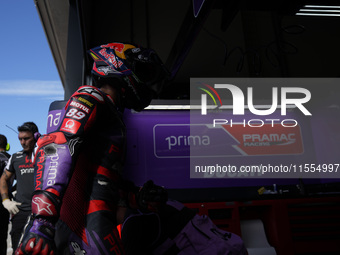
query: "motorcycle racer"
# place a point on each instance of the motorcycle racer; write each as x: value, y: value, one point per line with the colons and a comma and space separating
x: 78, y: 167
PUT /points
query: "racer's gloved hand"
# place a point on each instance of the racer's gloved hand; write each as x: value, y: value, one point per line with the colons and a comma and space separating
x: 152, y: 197
x: 37, y: 239
x: 11, y: 206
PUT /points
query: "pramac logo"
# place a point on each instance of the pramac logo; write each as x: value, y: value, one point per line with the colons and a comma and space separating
x: 70, y: 126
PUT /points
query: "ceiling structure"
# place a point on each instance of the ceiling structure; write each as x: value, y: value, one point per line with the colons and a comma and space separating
x: 195, y: 38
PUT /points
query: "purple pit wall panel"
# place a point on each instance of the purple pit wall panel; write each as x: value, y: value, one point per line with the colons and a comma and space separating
x: 157, y: 148
x: 154, y: 153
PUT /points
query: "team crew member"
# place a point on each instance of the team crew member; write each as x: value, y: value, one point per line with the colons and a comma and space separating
x: 4, y: 215
x: 78, y: 167
x: 20, y: 167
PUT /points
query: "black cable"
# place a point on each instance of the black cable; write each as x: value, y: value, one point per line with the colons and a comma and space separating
x: 12, y: 129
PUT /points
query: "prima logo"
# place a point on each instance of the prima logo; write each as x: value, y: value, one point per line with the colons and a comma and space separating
x: 301, y: 96
x: 191, y: 140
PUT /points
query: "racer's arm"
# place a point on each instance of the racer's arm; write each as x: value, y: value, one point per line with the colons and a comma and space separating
x: 55, y: 156
x: 58, y: 151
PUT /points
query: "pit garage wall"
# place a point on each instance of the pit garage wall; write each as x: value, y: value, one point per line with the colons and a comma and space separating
x: 158, y: 149
x: 299, y: 221
x: 295, y: 223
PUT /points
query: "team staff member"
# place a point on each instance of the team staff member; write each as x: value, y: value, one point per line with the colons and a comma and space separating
x: 20, y: 167
x: 78, y: 167
x: 4, y: 215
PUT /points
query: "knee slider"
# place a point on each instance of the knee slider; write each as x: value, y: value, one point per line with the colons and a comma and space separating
x: 45, y: 204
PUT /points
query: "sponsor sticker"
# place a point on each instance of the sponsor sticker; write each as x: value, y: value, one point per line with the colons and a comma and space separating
x: 267, y: 140
x: 70, y: 126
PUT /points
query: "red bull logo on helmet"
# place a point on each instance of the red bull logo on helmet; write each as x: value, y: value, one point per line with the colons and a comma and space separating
x: 111, y: 58
x: 119, y: 48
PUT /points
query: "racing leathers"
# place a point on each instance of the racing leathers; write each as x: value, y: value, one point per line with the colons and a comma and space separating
x: 77, y: 175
